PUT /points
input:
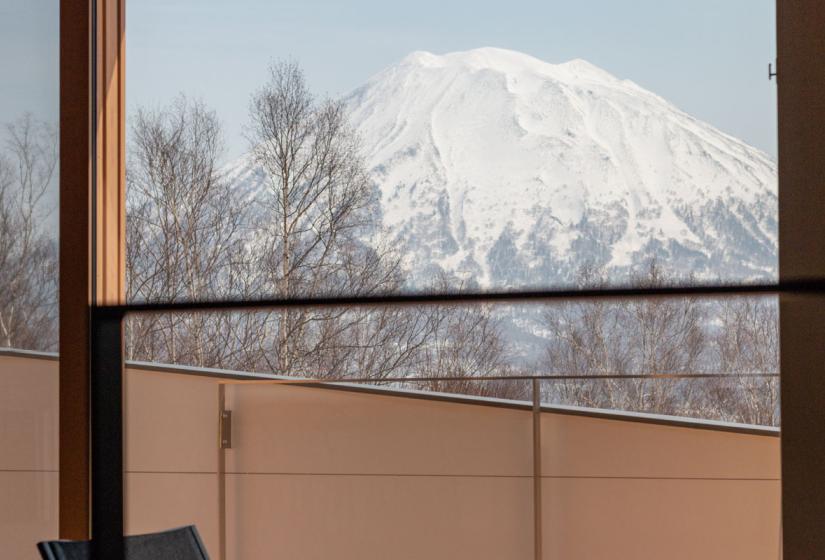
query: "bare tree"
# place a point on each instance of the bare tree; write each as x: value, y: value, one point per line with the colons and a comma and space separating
x: 184, y: 240
x: 668, y: 337
x: 466, y: 344
x: 28, y: 254
x: 746, y: 342
x: 627, y: 337
x: 587, y: 338
x: 319, y: 204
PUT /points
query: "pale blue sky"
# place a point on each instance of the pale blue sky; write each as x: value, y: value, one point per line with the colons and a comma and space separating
x: 709, y: 57
x: 29, y: 61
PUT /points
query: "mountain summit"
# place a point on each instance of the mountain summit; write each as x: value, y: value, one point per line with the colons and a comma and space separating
x: 503, y: 169
x: 506, y: 171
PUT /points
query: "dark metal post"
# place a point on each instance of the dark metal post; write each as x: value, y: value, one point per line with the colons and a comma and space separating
x: 537, y: 495
x: 224, y: 441
x: 107, y: 434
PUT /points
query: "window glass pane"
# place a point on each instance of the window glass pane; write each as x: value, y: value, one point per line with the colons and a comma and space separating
x: 28, y: 175
x: 28, y: 275
x: 283, y: 149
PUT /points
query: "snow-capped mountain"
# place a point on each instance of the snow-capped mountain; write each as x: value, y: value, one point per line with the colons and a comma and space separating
x: 508, y: 171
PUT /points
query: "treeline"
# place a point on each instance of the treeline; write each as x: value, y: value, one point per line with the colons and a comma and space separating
x: 316, y: 230
x: 736, y: 336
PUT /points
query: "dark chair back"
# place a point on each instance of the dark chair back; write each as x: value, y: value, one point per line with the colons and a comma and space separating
x: 176, y: 544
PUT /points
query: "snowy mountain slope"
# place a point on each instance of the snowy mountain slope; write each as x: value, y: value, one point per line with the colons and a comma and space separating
x: 508, y: 171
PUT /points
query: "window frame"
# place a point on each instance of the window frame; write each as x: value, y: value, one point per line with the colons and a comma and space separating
x: 92, y: 255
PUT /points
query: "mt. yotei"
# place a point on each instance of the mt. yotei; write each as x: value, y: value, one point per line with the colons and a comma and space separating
x: 506, y: 171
